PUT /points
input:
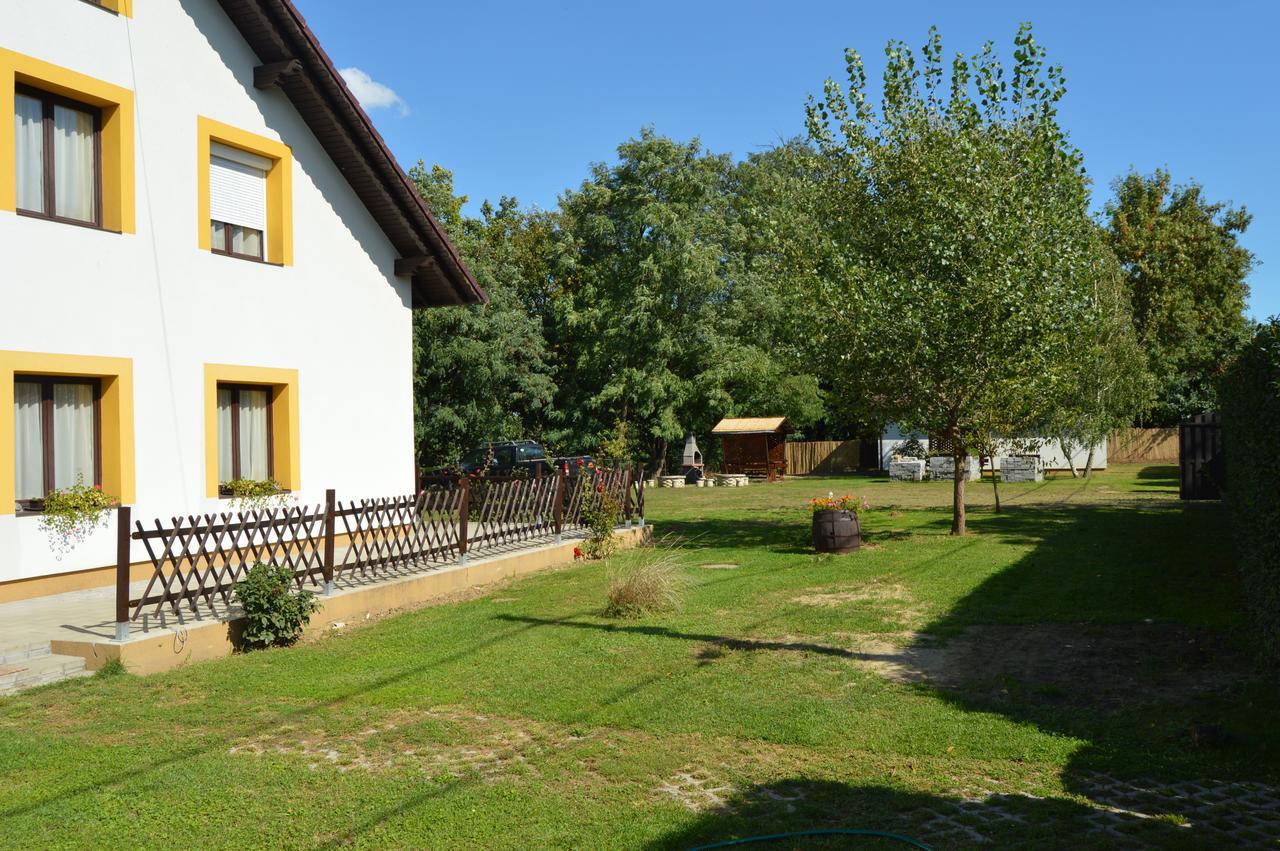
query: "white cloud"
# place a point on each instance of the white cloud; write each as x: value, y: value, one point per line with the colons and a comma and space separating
x: 372, y: 94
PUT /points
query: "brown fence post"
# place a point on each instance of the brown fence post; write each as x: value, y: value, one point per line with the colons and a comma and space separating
x: 464, y: 510
x: 124, y: 515
x: 559, y: 505
x: 330, y: 511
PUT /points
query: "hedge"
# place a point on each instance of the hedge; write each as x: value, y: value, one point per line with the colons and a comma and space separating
x: 1249, y: 394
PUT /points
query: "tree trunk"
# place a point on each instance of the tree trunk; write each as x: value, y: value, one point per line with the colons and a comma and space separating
x: 995, y: 485
x: 1069, y: 452
x: 1088, y: 463
x: 660, y: 463
x: 957, y: 496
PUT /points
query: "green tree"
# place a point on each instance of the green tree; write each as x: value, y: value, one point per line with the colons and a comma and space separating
x: 654, y: 317
x: 481, y: 372
x: 957, y: 258
x: 1186, y: 272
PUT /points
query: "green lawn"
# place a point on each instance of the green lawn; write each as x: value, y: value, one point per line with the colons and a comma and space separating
x: 1000, y: 683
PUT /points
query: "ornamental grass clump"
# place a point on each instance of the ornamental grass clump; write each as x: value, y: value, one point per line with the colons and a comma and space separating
x: 646, y: 581
x: 70, y: 515
x: 275, y: 613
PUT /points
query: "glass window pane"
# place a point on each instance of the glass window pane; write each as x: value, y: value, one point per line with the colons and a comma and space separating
x: 29, y: 440
x: 219, y: 236
x: 225, y: 471
x: 72, y: 435
x: 246, y: 241
x: 28, y: 124
x: 73, y: 164
x: 254, y: 445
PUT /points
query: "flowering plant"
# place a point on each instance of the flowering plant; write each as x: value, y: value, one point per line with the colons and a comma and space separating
x: 257, y: 495
x: 831, y: 502
x: 71, y: 514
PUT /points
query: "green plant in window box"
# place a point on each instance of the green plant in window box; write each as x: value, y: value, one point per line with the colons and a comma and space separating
x: 255, y: 494
x: 70, y: 515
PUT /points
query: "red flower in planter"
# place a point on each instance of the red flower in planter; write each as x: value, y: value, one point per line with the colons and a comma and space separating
x: 599, y: 488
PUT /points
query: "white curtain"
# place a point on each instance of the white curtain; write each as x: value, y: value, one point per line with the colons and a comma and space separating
x: 29, y: 440
x: 253, y: 434
x: 72, y: 435
x: 73, y: 166
x: 28, y: 124
x: 246, y: 241
x: 225, y: 471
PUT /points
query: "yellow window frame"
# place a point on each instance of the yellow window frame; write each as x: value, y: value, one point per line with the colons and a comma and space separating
x: 116, y: 104
x: 286, y: 448
x: 279, y: 185
x: 116, y: 407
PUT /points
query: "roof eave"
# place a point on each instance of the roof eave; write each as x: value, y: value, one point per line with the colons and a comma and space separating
x: 277, y: 33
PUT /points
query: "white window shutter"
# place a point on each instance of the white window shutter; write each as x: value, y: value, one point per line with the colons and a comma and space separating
x: 238, y: 188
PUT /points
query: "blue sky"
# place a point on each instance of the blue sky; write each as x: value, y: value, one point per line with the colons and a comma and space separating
x: 518, y: 98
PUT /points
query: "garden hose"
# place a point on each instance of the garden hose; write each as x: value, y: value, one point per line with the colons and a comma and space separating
x: 817, y: 832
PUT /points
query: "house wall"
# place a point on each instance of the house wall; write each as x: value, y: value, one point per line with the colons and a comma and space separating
x: 337, y: 315
x: 1049, y: 450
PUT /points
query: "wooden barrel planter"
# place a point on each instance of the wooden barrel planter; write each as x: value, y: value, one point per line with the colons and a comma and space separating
x: 836, y: 531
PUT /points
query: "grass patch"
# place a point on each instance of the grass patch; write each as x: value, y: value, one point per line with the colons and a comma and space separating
x: 1082, y: 649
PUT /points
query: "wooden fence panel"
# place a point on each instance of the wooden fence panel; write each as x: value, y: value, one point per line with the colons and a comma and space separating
x: 823, y: 457
x: 1143, y: 446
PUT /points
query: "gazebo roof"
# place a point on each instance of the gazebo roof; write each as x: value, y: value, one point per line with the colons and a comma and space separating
x: 752, y: 425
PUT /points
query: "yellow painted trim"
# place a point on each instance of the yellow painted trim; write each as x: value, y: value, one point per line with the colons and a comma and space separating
x: 120, y: 7
x: 279, y: 184
x: 116, y: 375
x: 287, y: 449
x: 118, y: 191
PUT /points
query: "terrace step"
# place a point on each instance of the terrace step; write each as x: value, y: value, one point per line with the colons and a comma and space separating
x: 19, y: 653
x: 39, y: 667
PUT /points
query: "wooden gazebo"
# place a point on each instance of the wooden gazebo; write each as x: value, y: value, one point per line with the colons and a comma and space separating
x: 755, y: 446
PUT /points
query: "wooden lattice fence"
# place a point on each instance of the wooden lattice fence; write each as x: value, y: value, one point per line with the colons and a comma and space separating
x: 198, y: 559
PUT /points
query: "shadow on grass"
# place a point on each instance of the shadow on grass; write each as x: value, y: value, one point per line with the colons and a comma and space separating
x: 801, y: 804
x: 1119, y: 625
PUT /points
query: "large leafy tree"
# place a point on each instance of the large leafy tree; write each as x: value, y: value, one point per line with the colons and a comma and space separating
x: 657, y: 326
x: 1185, y: 270
x: 957, y: 259
x: 482, y: 372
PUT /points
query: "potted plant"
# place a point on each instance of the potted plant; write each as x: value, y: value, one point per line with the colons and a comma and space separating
x: 69, y: 515
x: 254, y: 494
x: 835, y: 522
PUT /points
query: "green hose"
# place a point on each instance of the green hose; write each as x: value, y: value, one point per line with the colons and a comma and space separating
x: 818, y: 832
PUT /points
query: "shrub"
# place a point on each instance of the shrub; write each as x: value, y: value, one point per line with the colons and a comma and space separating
x: 600, y: 514
x: 646, y: 580
x: 1249, y: 394
x: 911, y: 448
x: 274, y: 613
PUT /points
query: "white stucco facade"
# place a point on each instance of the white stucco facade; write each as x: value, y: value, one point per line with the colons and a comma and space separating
x: 338, y: 315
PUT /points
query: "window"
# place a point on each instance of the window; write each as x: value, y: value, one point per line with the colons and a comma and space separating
x: 58, y: 153
x: 57, y: 169
x: 244, y: 197
x: 245, y: 448
x: 57, y: 435
x: 237, y: 201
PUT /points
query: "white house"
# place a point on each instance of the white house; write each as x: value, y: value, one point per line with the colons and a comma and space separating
x: 210, y: 263
x: 1050, y: 451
